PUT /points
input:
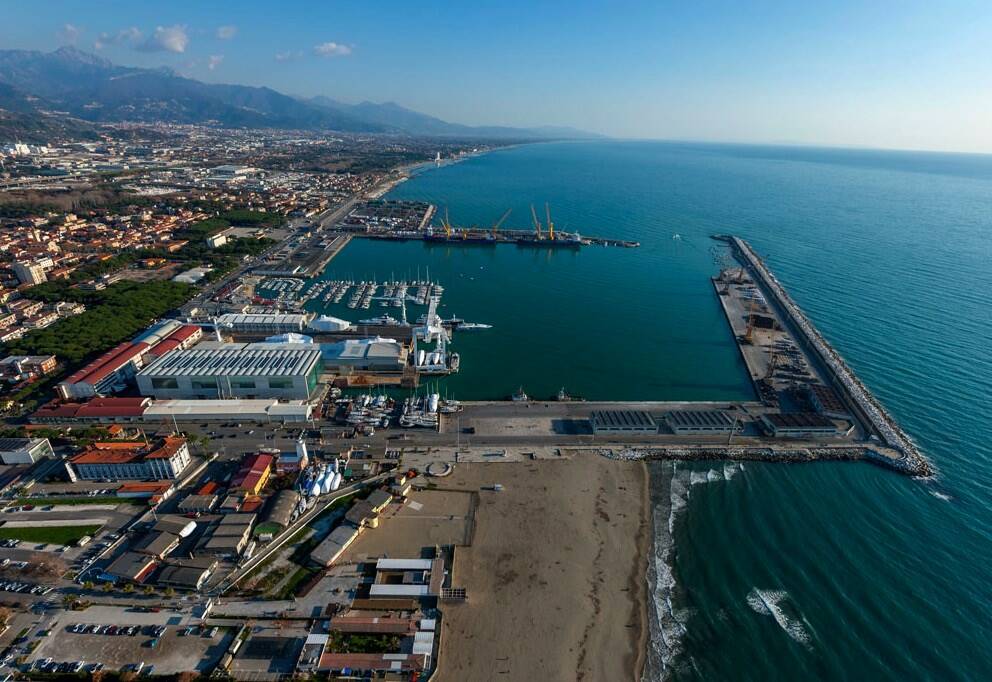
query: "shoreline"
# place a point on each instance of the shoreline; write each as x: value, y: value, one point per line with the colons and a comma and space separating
x: 639, y: 573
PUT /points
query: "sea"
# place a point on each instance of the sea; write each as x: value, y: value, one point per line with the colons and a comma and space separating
x: 823, y: 571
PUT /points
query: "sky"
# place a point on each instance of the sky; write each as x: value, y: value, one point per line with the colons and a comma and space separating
x: 905, y: 75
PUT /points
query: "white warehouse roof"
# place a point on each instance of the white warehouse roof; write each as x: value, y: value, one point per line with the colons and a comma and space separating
x: 237, y: 362
x: 403, y: 565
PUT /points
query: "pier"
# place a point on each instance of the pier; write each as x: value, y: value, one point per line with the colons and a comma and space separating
x: 880, y: 429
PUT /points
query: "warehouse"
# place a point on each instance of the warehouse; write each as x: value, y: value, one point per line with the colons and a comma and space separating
x: 233, y: 371
x: 692, y: 422
x: 826, y: 401
x: 622, y: 421
x: 377, y: 354
x: 798, y: 425
x: 24, y: 450
x: 259, y: 323
x: 259, y: 410
x: 253, y: 474
x: 334, y: 545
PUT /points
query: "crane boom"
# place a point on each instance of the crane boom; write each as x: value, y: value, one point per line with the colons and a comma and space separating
x: 446, y: 223
x: 500, y: 221
x: 537, y: 223
x: 551, y: 225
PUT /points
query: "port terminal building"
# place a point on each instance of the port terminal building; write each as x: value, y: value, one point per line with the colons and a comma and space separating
x: 798, y: 425
x: 283, y: 371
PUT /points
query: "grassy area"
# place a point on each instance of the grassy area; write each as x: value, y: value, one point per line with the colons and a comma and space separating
x: 73, y: 501
x: 299, y: 577
x: 358, y: 643
x: 56, y: 535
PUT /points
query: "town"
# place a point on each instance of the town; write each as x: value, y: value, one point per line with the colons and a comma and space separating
x: 204, y: 474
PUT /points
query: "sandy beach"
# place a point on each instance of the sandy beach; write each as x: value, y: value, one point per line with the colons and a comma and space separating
x: 555, y: 573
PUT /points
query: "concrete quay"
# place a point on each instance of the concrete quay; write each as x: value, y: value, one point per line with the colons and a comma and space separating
x: 865, y: 406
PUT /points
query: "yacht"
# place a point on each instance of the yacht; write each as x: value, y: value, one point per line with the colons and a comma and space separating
x: 385, y: 320
x: 473, y: 325
x: 520, y: 396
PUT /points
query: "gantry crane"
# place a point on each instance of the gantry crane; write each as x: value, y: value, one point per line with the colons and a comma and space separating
x: 551, y: 225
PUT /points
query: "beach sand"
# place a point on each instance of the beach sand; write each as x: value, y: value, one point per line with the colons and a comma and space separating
x: 555, y: 574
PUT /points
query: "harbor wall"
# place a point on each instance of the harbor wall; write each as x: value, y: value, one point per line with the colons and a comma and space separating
x: 869, y: 409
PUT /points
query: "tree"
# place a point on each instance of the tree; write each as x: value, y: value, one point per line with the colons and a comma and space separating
x: 87, y: 584
x: 169, y: 592
x: 108, y: 587
x: 149, y: 590
x: 128, y: 588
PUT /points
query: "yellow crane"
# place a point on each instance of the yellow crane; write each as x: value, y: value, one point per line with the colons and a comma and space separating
x: 551, y: 225
x: 446, y: 224
x: 500, y: 222
x: 537, y: 223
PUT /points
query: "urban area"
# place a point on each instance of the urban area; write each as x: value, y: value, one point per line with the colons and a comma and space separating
x: 203, y: 476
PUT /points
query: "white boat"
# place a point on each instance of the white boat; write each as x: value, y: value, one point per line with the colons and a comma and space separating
x: 335, y: 482
x: 520, y: 396
x: 468, y: 326
x: 382, y: 320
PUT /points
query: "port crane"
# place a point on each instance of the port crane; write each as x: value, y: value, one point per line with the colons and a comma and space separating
x: 551, y: 225
x: 537, y: 223
x: 501, y: 221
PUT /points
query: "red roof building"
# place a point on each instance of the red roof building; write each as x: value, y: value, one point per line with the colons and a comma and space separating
x: 133, y: 461
x: 106, y: 374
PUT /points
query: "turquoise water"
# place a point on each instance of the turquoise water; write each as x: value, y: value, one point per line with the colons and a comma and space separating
x: 825, y: 571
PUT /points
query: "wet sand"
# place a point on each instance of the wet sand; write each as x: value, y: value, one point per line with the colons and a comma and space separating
x: 555, y: 573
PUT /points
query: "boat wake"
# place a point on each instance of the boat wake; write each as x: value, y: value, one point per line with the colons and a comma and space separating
x: 671, y: 488
x: 779, y: 605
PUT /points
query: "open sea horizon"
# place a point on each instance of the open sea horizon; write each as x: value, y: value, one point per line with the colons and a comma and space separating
x: 818, y: 571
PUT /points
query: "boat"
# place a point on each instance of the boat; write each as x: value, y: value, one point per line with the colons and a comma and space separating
x: 563, y: 395
x: 468, y: 326
x: 520, y: 396
x: 384, y: 320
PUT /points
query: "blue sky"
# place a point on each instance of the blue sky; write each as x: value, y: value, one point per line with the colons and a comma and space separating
x: 912, y: 75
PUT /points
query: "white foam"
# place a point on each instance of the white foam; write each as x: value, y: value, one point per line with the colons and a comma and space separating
x: 777, y: 604
x: 941, y: 496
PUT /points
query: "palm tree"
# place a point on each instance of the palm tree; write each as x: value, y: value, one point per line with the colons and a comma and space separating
x: 87, y: 584
x: 128, y: 588
x: 108, y: 587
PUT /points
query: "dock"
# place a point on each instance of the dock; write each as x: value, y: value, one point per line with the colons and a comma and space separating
x: 880, y: 430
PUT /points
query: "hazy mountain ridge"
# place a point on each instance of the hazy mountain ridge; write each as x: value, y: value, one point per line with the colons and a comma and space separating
x: 92, y: 88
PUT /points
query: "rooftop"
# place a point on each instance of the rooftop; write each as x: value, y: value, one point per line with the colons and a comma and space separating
x: 238, y: 361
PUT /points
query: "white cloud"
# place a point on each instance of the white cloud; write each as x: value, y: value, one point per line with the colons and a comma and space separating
x: 331, y: 50
x: 288, y: 55
x: 129, y: 36
x: 214, y: 61
x: 70, y: 33
x: 166, y: 39
x: 227, y: 32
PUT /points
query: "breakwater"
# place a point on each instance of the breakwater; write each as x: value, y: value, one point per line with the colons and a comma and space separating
x: 870, y: 411
x: 763, y: 453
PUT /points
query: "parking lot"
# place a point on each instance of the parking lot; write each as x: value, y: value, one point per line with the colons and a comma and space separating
x: 158, y: 648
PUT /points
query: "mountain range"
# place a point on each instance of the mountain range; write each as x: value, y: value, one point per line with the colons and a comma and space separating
x: 70, y: 87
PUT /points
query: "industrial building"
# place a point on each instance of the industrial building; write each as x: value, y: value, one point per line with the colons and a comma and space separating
x: 377, y: 354
x: 107, y: 374
x: 798, y: 425
x: 24, y: 450
x: 694, y: 422
x: 826, y: 401
x: 334, y: 545
x: 258, y: 410
x: 132, y: 461
x: 234, y: 370
x: 263, y: 323
x: 253, y: 474
x: 622, y: 421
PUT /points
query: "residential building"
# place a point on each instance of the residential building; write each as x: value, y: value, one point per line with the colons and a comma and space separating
x: 133, y: 461
x: 24, y: 450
